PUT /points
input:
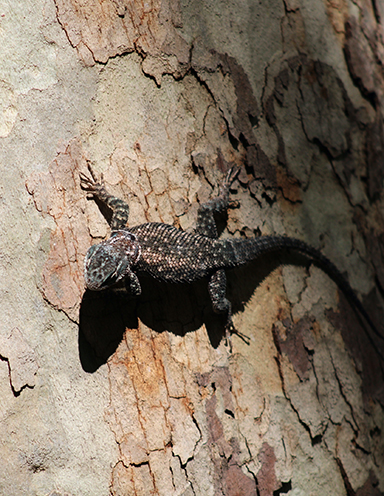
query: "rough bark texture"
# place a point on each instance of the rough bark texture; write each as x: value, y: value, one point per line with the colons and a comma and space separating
x: 105, y: 395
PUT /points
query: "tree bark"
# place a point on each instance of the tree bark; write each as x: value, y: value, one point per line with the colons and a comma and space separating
x: 102, y: 394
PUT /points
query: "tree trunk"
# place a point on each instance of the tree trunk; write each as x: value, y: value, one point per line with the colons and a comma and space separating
x: 104, y: 394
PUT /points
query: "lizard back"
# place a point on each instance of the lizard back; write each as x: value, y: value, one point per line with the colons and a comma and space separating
x: 172, y: 255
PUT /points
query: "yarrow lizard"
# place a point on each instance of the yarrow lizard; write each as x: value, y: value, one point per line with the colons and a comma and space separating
x: 172, y: 255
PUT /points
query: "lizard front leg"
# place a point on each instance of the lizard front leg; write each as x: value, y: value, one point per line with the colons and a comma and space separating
x: 120, y: 209
x: 132, y: 284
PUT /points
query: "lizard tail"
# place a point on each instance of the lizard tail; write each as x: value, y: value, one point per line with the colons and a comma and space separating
x: 243, y: 251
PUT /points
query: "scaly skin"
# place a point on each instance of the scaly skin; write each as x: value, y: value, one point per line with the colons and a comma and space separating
x: 169, y: 254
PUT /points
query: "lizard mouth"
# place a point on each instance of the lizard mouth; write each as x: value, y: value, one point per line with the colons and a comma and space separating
x: 97, y: 280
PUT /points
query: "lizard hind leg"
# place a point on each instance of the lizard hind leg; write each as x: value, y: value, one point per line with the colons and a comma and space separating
x: 217, y: 291
x: 206, y: 224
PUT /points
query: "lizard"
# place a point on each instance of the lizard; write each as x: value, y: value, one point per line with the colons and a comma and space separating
x: 171, y: 255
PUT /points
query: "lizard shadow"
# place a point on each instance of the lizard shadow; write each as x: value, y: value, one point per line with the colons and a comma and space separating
x: 177, y: 308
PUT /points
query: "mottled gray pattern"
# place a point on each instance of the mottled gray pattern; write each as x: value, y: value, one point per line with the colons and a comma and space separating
x: 171, y: 255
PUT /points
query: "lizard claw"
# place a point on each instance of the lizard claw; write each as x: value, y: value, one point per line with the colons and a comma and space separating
x: 231, y: 176
x: 230, y: 330
x: 226, y: 184
x: 91, y: 184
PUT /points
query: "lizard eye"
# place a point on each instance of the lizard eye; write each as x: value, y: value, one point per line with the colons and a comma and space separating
x: 126, y: 234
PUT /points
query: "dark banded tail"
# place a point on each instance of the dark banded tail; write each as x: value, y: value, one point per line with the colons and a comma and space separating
x: 244, y: 251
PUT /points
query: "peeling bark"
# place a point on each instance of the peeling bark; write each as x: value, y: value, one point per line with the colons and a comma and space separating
x: 141, y: 396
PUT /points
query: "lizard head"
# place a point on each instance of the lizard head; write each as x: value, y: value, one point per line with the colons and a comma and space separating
x: 110, y: 261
